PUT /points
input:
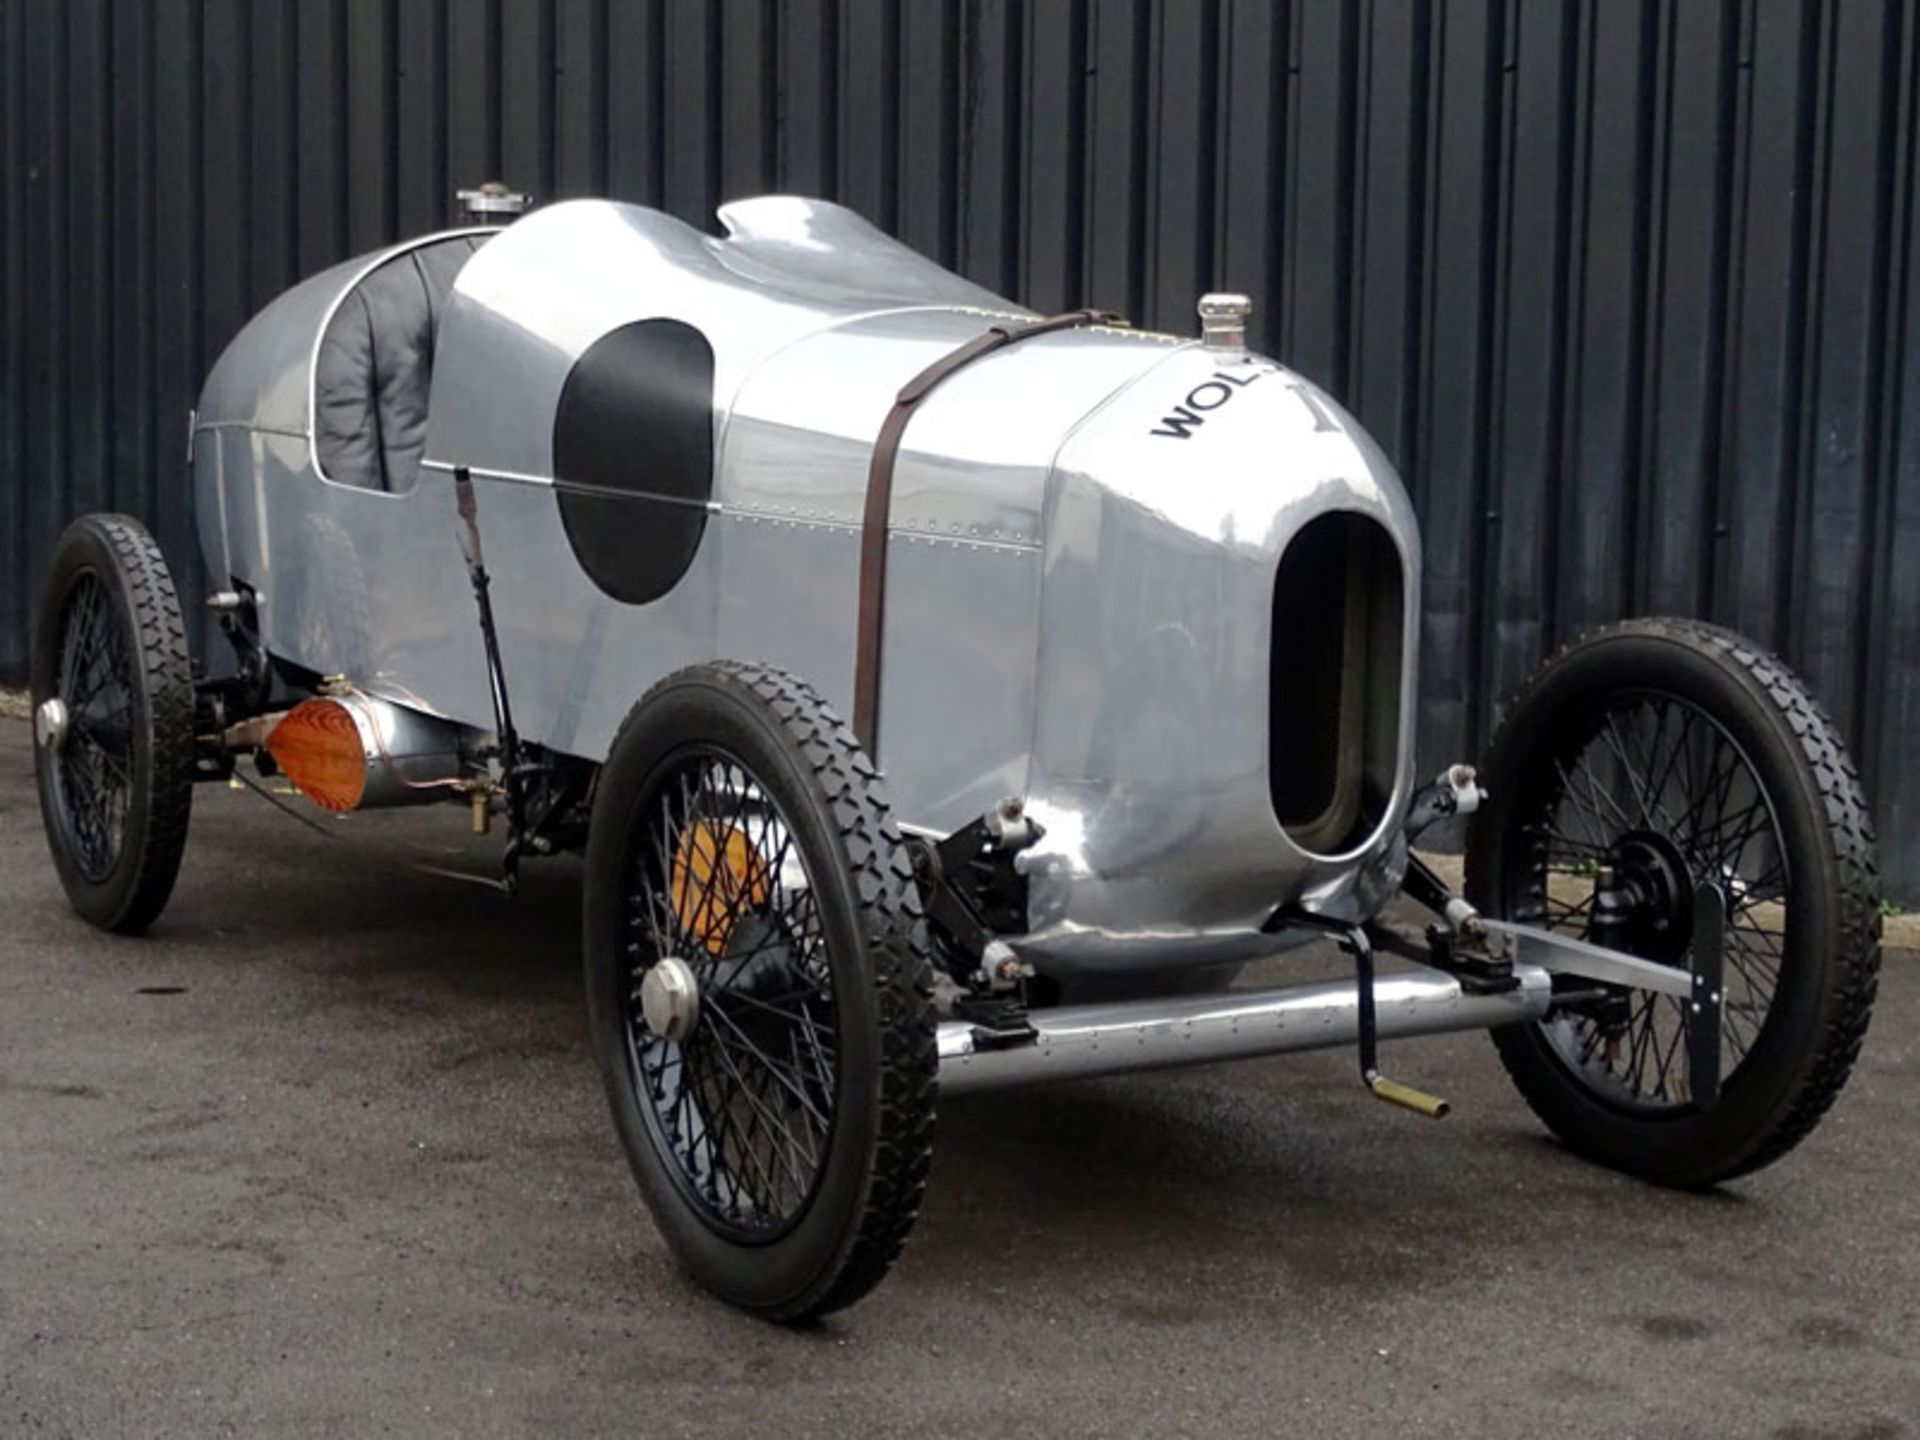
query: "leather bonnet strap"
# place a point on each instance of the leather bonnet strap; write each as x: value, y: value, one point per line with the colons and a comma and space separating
x: 873, y: 533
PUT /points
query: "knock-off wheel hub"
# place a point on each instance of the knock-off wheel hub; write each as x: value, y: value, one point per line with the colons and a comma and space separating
x: 50, y: 723
x: 1653, y: 896
x: 670, y: 998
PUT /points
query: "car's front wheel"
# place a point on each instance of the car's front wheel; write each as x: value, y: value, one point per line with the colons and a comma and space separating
x: 1647, y: 766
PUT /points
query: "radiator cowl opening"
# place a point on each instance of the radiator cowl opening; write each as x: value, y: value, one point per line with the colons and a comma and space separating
x: 1334, y: 682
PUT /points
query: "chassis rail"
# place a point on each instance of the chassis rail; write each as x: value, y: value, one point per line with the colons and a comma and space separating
x: 1078, y: 1041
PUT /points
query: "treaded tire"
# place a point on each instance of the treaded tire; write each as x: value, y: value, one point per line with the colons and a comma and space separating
x: 1828, y: 963
x: 121, y: 887
x: 867, y: 1189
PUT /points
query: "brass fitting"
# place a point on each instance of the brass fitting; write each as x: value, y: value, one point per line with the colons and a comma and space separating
x: 1408, y: 1098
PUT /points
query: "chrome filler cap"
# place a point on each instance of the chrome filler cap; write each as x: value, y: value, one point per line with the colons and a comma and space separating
x: 1223, y: 321
x: 491, y: 202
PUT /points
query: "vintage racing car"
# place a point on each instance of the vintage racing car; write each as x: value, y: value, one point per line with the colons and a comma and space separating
x: 909, y: 667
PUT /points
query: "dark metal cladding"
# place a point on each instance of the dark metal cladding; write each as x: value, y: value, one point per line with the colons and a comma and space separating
x: 635, y: 419
x: 1627, y: 291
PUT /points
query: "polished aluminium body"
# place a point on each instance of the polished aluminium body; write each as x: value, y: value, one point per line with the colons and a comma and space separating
x: 1081, y: 594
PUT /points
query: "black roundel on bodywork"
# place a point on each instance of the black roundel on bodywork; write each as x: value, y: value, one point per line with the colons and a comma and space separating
x: 633, y: 456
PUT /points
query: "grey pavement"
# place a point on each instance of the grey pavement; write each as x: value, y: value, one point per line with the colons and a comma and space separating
x: 326, y: 1154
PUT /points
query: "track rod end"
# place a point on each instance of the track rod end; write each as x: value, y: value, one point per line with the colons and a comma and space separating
x: 1408, y: 1098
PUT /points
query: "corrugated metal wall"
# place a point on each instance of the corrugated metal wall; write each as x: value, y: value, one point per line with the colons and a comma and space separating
x: 1626, y: 288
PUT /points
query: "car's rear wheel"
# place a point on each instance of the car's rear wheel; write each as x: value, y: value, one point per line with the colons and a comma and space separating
x: 113, y: 721
x: 760, y: 990
x: 1644, y: 763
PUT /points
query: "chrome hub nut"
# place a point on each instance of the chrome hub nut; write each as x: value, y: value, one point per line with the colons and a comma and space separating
x: 50, y: 720
x: 670, y: 998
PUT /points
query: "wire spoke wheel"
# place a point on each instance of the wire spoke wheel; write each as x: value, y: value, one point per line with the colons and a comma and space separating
x: 1654, y: 801
x: 1645, y: 764
x: 760, y: 989
x: 744, y: 1102
x: 92, y: 775
x: 113, y: 721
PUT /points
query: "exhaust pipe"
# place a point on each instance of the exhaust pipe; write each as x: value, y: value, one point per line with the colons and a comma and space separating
x: 353, y: 752
x: 1078, y: 1041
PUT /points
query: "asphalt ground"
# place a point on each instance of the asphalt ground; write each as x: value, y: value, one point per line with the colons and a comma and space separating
x: 326, y: 1154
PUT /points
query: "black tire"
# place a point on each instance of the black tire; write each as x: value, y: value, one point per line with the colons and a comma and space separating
x: 812, y: 939
x: 116, y: 795
x: 1753, y: 792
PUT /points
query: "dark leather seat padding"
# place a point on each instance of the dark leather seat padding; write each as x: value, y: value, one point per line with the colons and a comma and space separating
x: 375, y: 367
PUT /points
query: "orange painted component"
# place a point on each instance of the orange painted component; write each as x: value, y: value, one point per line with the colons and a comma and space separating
x: 717, y: 874
x: 319, y: 749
